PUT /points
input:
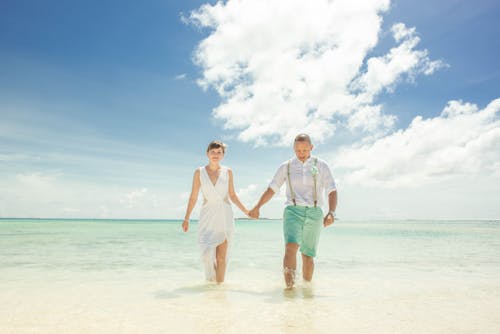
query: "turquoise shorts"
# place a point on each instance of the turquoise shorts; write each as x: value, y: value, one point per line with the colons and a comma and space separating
x: 302, y: 225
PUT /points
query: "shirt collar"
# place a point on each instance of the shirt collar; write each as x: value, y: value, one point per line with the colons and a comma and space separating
x: 297, y: 161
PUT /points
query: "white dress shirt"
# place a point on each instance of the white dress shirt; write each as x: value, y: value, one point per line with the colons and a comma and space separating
x: 303, y: 182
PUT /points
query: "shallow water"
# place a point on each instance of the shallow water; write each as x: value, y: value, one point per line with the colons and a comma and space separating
x: 127, y: 276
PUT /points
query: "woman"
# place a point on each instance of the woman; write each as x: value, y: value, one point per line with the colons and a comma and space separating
x: 216, y: 223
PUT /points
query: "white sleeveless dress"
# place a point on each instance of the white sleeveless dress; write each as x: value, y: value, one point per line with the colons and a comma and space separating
x: 216, y: 218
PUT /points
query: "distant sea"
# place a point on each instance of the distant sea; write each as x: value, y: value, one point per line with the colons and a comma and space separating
x: 144, y: 276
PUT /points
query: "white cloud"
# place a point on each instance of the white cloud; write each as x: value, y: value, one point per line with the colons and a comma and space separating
x: 383, y: 72
x: 52, y: 172
x: 134, y: 197
x: 249, y: 192
x: 181, y: 76
x: 462, y: 141
x: 184, y: 196
x: 35, y: 180
x: 250, y: 195
x: 11, y: 157
x: 370, y: 119
x: 71, y: 211
x: 283, y: 67
x: 40, y: 194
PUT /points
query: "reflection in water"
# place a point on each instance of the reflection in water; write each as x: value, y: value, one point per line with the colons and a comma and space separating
x: 307, y: 292
x: 299, y: 316
x: 304, y: 291
x: 216, y: 314
x: 290, y: 294
x: 196, y: 289
x: 218, y: 308
x: 211, y: 290
x: 301, y: 310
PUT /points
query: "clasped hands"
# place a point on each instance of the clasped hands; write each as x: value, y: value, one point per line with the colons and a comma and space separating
x: 254, y: 213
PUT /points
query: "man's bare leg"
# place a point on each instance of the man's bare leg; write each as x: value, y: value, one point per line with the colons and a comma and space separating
x: 220, y: 257
x: 290, y: 263
x: 307, y: 267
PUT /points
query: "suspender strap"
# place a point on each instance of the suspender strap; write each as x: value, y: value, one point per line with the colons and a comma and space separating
x: 314, y: 174
x: 290, y: 184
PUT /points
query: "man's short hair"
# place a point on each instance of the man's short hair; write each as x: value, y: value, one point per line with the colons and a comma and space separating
x: 303, y: 137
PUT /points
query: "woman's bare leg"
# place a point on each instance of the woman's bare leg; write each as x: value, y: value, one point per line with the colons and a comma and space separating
x: 220, y: 256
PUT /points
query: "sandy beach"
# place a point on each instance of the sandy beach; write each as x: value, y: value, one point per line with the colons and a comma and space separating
x: 390, y: 295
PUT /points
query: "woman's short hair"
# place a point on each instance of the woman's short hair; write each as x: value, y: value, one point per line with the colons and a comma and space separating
x: 217, y: 144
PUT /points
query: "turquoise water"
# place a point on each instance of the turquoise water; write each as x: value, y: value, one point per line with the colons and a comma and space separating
x: 142, y: 245
x: 369, y: 269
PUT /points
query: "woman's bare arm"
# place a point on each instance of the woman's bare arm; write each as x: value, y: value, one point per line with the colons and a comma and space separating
x: 193, y: 198
x: 233, y: 196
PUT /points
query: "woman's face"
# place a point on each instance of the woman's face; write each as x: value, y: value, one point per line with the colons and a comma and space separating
x: 215, y: 155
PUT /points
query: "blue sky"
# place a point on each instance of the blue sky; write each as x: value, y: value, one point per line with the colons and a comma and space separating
x: 102, y: 113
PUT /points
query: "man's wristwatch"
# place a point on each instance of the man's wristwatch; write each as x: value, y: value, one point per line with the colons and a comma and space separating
x: 331, y: 213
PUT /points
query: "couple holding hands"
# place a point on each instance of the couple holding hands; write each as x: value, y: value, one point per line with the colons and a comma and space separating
x: 307, y: 178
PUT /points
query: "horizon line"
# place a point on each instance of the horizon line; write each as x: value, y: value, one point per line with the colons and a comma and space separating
x: 262, y: 218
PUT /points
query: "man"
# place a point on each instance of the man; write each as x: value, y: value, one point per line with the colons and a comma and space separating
x: 306, y: 178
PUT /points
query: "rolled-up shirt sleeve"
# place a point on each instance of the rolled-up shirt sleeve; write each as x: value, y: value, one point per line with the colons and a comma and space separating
x: 328, y: 181
x: 279, y: 178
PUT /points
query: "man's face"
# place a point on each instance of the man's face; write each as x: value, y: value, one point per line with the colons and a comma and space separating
x: 302, y: 150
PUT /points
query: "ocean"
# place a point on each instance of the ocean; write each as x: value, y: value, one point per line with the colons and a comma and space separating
x: 145, y: 276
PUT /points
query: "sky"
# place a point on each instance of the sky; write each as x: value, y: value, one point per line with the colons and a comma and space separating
x: 107, y: 107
